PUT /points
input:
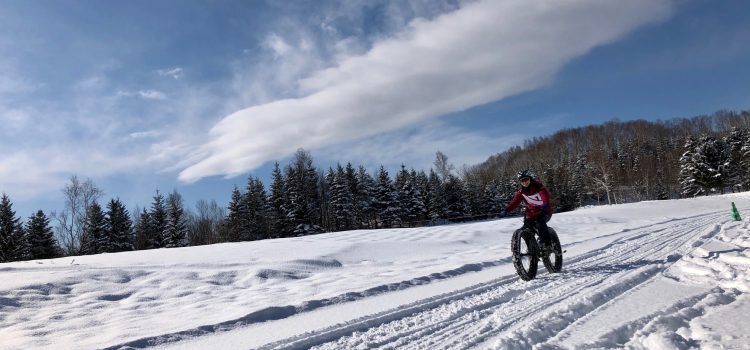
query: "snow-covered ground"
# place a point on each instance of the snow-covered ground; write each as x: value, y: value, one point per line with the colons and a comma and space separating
x: 650, y: 275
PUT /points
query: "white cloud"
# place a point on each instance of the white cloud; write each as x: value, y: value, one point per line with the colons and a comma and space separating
x: 485, y: 51
x: 145, y: 94
x: 174, y: 73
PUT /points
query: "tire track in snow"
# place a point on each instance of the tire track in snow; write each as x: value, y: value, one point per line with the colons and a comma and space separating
x: 468, y: 318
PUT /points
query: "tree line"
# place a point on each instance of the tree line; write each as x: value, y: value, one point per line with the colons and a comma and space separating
x: 615, y: 162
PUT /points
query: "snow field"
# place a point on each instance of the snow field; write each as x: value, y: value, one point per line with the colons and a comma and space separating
x: 661, y: 274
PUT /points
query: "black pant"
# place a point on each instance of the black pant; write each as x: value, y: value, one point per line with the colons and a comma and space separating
x: 540, y: 223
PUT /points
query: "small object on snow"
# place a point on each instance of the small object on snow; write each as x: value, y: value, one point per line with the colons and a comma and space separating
x: 72, y: 261
x: 735, y: 213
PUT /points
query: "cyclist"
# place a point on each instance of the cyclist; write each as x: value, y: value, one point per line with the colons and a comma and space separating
x: 538, y: 209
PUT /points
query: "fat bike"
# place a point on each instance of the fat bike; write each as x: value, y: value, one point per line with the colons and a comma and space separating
x: 526, y: 246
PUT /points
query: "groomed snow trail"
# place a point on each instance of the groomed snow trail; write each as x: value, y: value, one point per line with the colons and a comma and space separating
x: 512, y: 314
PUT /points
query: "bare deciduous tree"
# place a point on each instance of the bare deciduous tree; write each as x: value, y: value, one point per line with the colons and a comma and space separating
x: 70, y: 221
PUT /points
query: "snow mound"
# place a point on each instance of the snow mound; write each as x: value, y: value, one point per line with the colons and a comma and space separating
x: 723, y: 260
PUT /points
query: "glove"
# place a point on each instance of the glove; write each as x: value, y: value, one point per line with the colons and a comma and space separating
x: 545, y: 207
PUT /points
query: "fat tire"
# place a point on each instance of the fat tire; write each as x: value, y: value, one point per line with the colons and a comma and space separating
x: 556, y: 266
x: 523, y: 236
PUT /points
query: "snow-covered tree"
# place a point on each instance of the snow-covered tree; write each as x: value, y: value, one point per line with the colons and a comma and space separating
x: 688, y: 170
x: 712, y: 163
x: 158, y: 221
x: 302, y: 184
x: 735, y: 141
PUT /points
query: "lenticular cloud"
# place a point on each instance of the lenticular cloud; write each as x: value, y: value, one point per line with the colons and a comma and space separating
x: 482, y: 52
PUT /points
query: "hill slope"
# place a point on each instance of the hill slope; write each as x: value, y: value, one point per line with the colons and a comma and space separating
x: 651, y: 274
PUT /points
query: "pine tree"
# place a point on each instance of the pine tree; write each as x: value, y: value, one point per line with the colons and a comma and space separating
x: 280, y: 226
x: 236, y: 223
x: 385, y: 202
x: 365, y: 197
x: 176, y: 226
x: 495, y: 203
x: 257, y: 207
x: 735, y: 140
x: 409, y: 197
x: 352, y: 183
x: 158, y: 221
x: 95, y: 239
x: 302, y: 184
x: 455, y: 197
x: 688, y: 171
x: 438, y: 205
x: 41, y: 237
x: 119, y: 227
x: 578, y: 180
x: 144, y: 231
x: 342, y: 201
x: 14, y: 245
x: 712, y: 163
x: 745, y: 164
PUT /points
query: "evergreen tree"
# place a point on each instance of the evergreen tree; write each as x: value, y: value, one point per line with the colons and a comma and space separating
x: 158, y: 221
x: 352, y: 183
x: 578, y: 180
x: 688, y: 171
x: 257, y: 207
x: 144, y: 231
x: 365, y: 195
x: 735, y: 172
x: 438, y: 205
x: 409, y: 197
x: 342, y: 201
x: 95, y: 238
x: 176, y: 221
x: 119, y: 227
x: 14, y: 245
x: 280, y: 226
x: 385, y: 201
x: 495, y: 202
x: 712, y: 162
x: 745, y: 164
x: 455, y: 197
x: 237, y: 215
x: 41, y: 238
x: 304, y: 195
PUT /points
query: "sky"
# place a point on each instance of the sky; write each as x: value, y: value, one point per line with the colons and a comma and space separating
x: 199, y: 95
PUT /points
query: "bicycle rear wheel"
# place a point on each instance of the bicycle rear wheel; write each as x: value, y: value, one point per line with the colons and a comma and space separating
x: 524, y: 252
x: 553, y: 260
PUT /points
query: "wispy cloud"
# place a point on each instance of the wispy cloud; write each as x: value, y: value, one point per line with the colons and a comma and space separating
x: 482, y: 52
x: 145, y: 94
x: 174, y: 73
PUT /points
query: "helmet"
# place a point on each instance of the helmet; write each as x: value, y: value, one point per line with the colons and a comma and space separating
x: 525, y: 173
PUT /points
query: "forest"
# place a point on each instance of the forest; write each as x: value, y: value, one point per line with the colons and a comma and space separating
x: 615, y: 162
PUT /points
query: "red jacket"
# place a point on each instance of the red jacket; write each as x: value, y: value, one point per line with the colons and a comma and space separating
x: 536, y: 198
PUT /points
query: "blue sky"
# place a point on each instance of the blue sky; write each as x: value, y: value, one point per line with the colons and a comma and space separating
x: 197, y: 95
